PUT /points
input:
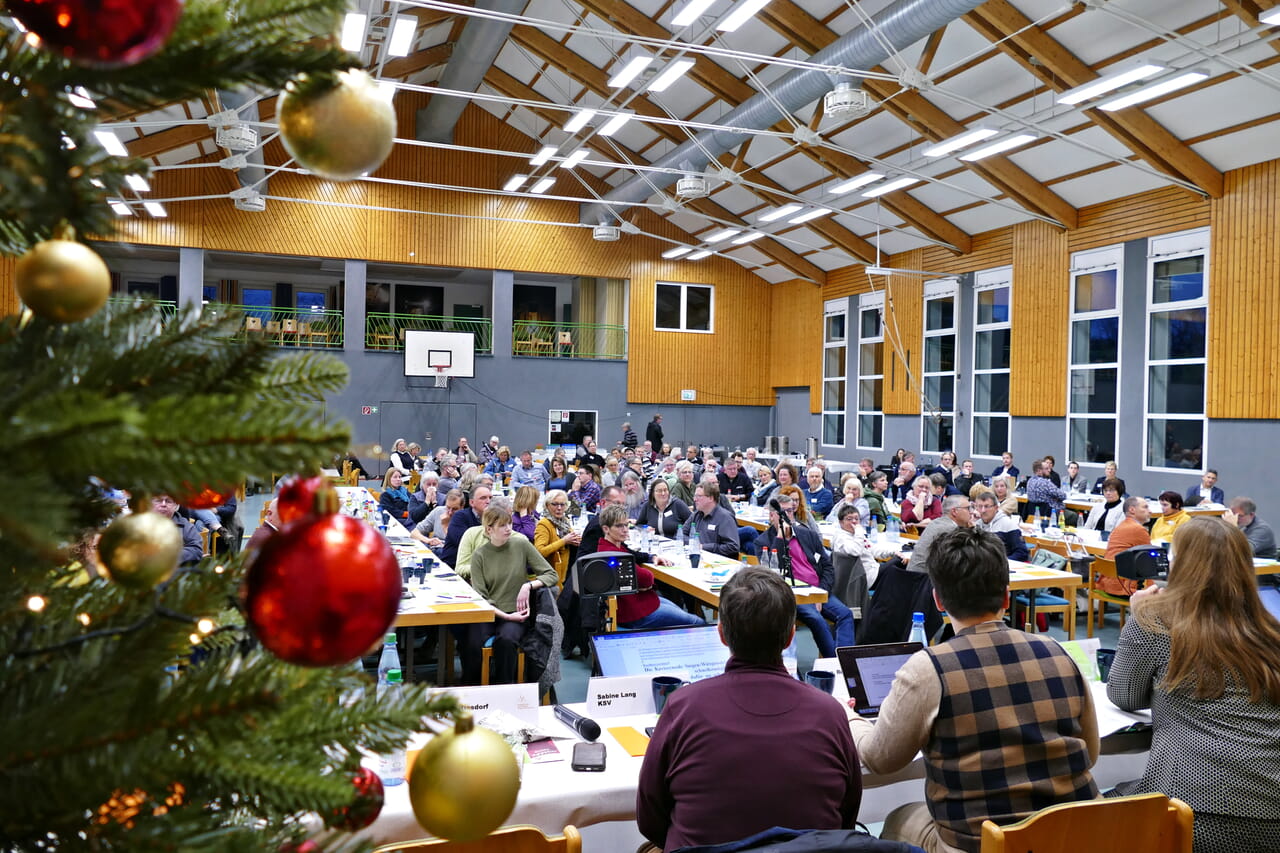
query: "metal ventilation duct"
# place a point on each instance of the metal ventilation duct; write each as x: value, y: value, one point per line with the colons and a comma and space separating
x: 254, y: 172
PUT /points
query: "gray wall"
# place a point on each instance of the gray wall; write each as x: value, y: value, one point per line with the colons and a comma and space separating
x: 793, y: 418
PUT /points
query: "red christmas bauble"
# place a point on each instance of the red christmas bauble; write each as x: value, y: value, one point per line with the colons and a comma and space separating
x: 365, y: 808
x: 205, y: 497
x: 323, y: 590
x: 297, y: 497
x: 105, y: 33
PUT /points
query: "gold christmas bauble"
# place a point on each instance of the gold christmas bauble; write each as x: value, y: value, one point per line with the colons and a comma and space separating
x: 140, y: 550
x: 341, y: 132
x: 464, y: 783
x: 62, y: 281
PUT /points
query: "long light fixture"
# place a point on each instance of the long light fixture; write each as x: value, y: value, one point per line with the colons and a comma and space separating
x: 699, y: 255
x: 747, y: 238
x: 156, y: 209
x: 1109, y: 83
x: 514, y: 183
x: 853, y: 183
x: 1155, y: 90
x: 615, y: 124
x: 808, y: 216
x: 137, y: 183
x: 543, y: 155
x: 353, y: 31
x: 403, y: 29
x: 579, y: 120
x: 111, y: 143
x: 120, y: 208
x: 963, y: 140
x: 670, y: 74
x: 630, y: 71
x: 1006, y: 144
x: 691, y: 12
x: 895, y: 184
x: 1271, y: 17
x: 743, y: 12
x: 724, y: 234
x: 678, y: 251
x: 80, y: 98
x: 575, y: 158
x: 779, y: 212
x: 542, y: 186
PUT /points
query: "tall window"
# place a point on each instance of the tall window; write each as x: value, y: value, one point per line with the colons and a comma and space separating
x: 991, y: 329
x: 835, y: 373
x: 938, y: 412
x: 1177, y: 311
x: 1094, y: 374
x: 871, y: 371
x: 684, y: 307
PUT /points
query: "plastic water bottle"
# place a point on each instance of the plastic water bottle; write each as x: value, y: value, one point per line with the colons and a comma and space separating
x: 391, y: 764
x: 1062, y: 521
x: 1053, y: 518
x: 1036, y: 526
x: 390, y: 658
x: 917, y: 629
x: 646, y: 539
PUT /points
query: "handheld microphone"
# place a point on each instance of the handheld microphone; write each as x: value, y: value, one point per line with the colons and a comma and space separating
x: 586, y: 727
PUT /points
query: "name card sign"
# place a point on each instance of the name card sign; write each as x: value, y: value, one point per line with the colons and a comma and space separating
x: 624, y: 695
x: 518, y: 700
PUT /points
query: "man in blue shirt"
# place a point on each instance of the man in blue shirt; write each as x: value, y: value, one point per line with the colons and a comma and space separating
x: 528, y: 474
x: 818, y: 495
x: 1041, y: 490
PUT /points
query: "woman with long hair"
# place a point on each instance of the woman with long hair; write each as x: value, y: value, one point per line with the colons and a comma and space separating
x: 767, y: 486
x: 786, y: 475
x: 1002, y: 487
x: 1204, y: 655
x: 663, y: 512
x: 524, y: 511
x: 559, y: 476
x: 395, y: 497
x: 801, y: 510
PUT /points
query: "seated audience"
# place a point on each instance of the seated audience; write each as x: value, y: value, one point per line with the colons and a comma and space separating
x: 355, y: 465
x: 851, y: 539
x: 1204, y: 655
x: 400, y: 458
x: 633, y: 493
x: 1004, y: 718
x: 1006, y: 468
x: 901, y: 485
x: 463, y: 520
x: 921, y: 508
x: 558, y: 476
x: 1076, y: 481
x: 992, y: 520
x: 500, y: 572
x: 1243, y: 513
x: 966, y: 479
x: 1109, y: 472
x: 501, y: 465
x: 810, y: 564
x: 957, y: 511
x: 433, y: 529
x: 1053, y: 475
x: 1207, y: 492
x: 664, y: 513
x: 1106, y: 515
x: 716, y: 527
x: 818, y: 494
x: 762, y: 493
x: 1042, y: 490
x: 1130, y: 532
x: 395, y: 497
x: 528, y: 474
x: 589, y: 456
x: 1003, y: 489
x: 947, y: 467
x: 851, y: 495
x: 1172, y: 516
x: 751, y: 465
x: 192, y: 548
x: 786, y: 475
x: 609, y: 496
x: 270, y: 524
x: 877, y: 485
x: 734, y: 482
x: 524, y: 511
x: 800, y: 509
x: 465, y: 453
x: 710, y: 773
x: 612, y: 473
x: 644, y: 609
x: 684, y: 484
x: 554, y: 536
x: 425, y: 498
x: 585, y: 492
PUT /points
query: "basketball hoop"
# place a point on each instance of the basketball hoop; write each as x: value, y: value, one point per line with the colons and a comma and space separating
x: 442, y: 379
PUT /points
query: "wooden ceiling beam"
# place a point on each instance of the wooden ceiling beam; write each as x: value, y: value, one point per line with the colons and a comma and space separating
x: 422, y: 60
x: 1248, y: 11
x: 1017, y: 36
x: 155, y: 144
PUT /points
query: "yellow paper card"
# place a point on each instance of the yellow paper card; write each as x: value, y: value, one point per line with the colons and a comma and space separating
x: 630, y: 739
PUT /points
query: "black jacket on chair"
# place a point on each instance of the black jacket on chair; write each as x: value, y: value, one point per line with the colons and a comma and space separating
x: 898, y: 594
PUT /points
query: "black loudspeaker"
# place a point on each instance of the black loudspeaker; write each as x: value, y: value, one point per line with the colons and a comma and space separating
x: 609, y: 573
x: 1143, y: 562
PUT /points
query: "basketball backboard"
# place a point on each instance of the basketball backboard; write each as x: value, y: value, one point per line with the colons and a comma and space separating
x: 439, y: 354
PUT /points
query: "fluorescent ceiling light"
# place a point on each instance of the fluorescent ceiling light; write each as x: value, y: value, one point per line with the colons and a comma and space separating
x: 403, y: 29
x: 80, y: 98
x: 1154, y: 90
x: 691, y: 12
x: 671, y: 74
x: 579, y: 120
x: 743, y: 12
x: 156, y: 209
x: 615, y: 124
x: 353, y: 31
x: 1109, y: 83
x: 111, y: 143
x: 723, y: 234
x: 779, y: 212
x: 630, y: 71
x: 699, y: 255
x: 999, y: 145
x: 387, y: 90
x: 120, y: 208
x: 514, y: 183
x: 896, y: 184
x: 575, y: 158
x: 542, y: 186
x: 671, y: 254
x: 963, y: 140
x: 137, y: 183
x: 853, y: 183
x: 808, y: 216
x: 1271, y: 17
x: 543, y: 155
x: 747, y: 238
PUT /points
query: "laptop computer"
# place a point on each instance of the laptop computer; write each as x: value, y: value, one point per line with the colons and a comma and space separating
x: 1270, y: 599
x: 696, y: 650
x: 869, y: 672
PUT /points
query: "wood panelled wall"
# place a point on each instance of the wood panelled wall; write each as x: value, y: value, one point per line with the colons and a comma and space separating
x: 903, y: 337
x: 1244, y: 290
x: 9, y: 302
x: 1041, y: 316
x: 793, y: 321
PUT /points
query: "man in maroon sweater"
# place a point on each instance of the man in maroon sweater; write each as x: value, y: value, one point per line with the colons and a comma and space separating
x: 711, y: 772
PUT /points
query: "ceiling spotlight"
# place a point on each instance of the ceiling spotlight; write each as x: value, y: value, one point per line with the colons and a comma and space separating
x: 747, y: 238
x: 156, y: 209
x: 743, y: 12
x: 963, y: 140
x: 1006, y: 144
x: 1109, y: 83
x: 111, y: 143
x: 403, y: 29
x: 691, y: 12
x: 808, y: 216
x: 120, y: 208
x: 353, y: 31
x: 670, y: 74
x: 1154, y: 90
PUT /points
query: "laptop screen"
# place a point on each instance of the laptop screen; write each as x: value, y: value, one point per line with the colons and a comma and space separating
x: 697, y: 651
x: 869, y: 672
x: 1270, y: 599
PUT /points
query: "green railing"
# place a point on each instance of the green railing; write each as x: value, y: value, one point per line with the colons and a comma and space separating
x: 386, y: 331
x: 568, y: 340
x: 164, y: 311
x: 288, y: 327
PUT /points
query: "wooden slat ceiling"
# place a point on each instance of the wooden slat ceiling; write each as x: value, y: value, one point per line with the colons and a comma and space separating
x: 1000, y: 66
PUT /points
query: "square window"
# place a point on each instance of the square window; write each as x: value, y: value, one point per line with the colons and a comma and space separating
x: 1096, y: 291
x: 871, y: 359
x: 941, y: 392
x: 940, y: 314
x: 1175, y: 443
x: 833, y: 361
x: 993, y: 306
x: 992, y: 350
x: 940, y: 354
x: 683, y: 307
x: 1178, y: 280
x: 990, y: 435
x: 1175, y: 389
x: 870, y: 395
x: 1094, y: 391
x: 870, y: 322
x: 1093, y: 439
x: 1095, y: 341
x: 833, y: 397
x: 835, y: 328
x: 833, y: 429
x: 870, y: 429
x: 1178, y: 334
x: 991, y: 392
x: 939, y: 434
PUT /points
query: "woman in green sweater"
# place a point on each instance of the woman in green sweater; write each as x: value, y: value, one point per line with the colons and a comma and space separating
x: 506, y: 571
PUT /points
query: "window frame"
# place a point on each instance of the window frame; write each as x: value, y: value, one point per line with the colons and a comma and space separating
x: 933, y: 290
x: 1088, y: 263
x: 684, y: 307
x: 867, y: 302
x: 984, y: 280
x: 1172, y: 247
x: 835, y: 308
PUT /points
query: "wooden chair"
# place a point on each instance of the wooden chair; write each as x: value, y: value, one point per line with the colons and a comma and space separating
x: 273, y: 331
x: 415, y: 480
x: 253, y: 324
x: 508, y: 839
x: 1106, y: 568
x: 1152, y: 823
x: 486, y: 659
x: 289, y: 332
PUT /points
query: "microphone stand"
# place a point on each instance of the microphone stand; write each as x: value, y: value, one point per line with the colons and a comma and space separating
x: 784, y: 558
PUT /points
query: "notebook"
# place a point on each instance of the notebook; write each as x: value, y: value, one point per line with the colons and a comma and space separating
x: 869, y: 672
